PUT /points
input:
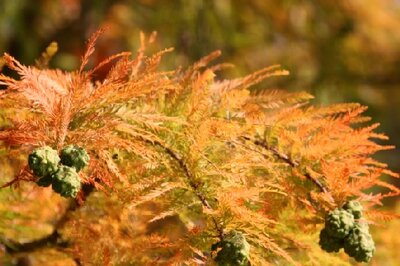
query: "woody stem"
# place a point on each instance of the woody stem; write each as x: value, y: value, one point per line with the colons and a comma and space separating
x: 191, y: 180
x: 285, y: 158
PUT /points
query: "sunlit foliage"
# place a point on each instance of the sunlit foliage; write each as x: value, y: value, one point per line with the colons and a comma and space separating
x: 180, y: 158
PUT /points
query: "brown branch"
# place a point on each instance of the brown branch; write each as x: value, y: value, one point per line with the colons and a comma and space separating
x: 52, y: 239
x: 284, y: 157
x: 191, y: 179
x: 10, y: 183
x: 23, y: 175
x: 12, y: 247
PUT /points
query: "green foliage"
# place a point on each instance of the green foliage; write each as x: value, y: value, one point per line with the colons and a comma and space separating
x: 234, y: 250
x: 43, y: 161
x: 74, y: 156
x: 66, y: 182
x: 359, y: 243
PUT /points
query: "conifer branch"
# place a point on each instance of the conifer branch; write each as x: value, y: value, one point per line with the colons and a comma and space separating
x: 53, y: 239
x: 191, y: 179
x: 286, y: 158
x: 12, y: 247
x: 126, y: 112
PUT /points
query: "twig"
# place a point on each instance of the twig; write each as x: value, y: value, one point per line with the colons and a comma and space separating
x: 52, y: 239
x: 10, y: 183
x: 23, y: 175
x: 287, y: 160
x: 191, y: 179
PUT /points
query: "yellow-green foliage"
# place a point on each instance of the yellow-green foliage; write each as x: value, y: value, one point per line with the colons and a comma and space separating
x: 180, y: 158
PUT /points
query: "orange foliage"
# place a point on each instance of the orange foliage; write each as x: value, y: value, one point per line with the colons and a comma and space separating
x: 213, y: 153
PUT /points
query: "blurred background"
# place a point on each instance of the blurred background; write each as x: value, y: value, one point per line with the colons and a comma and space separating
x: 338, y: 50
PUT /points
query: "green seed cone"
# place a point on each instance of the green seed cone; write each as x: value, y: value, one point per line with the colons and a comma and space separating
x: 43, y: 161
x: 235, y: 250
x: 359, y: 243
x: 339, y: 223
x: 328, y: 243
x: 354, y: 207
x: 74, y: 156
x: 45, y: 181
x: 66, y: 182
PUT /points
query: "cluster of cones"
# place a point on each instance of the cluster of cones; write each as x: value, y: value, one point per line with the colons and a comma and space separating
x: 61, y: 172
x: 344, y: 230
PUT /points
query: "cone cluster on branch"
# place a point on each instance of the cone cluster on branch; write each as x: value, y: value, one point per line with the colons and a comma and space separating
x: 61, y: 173
x: 233, y: 250
x: 343, y: 230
